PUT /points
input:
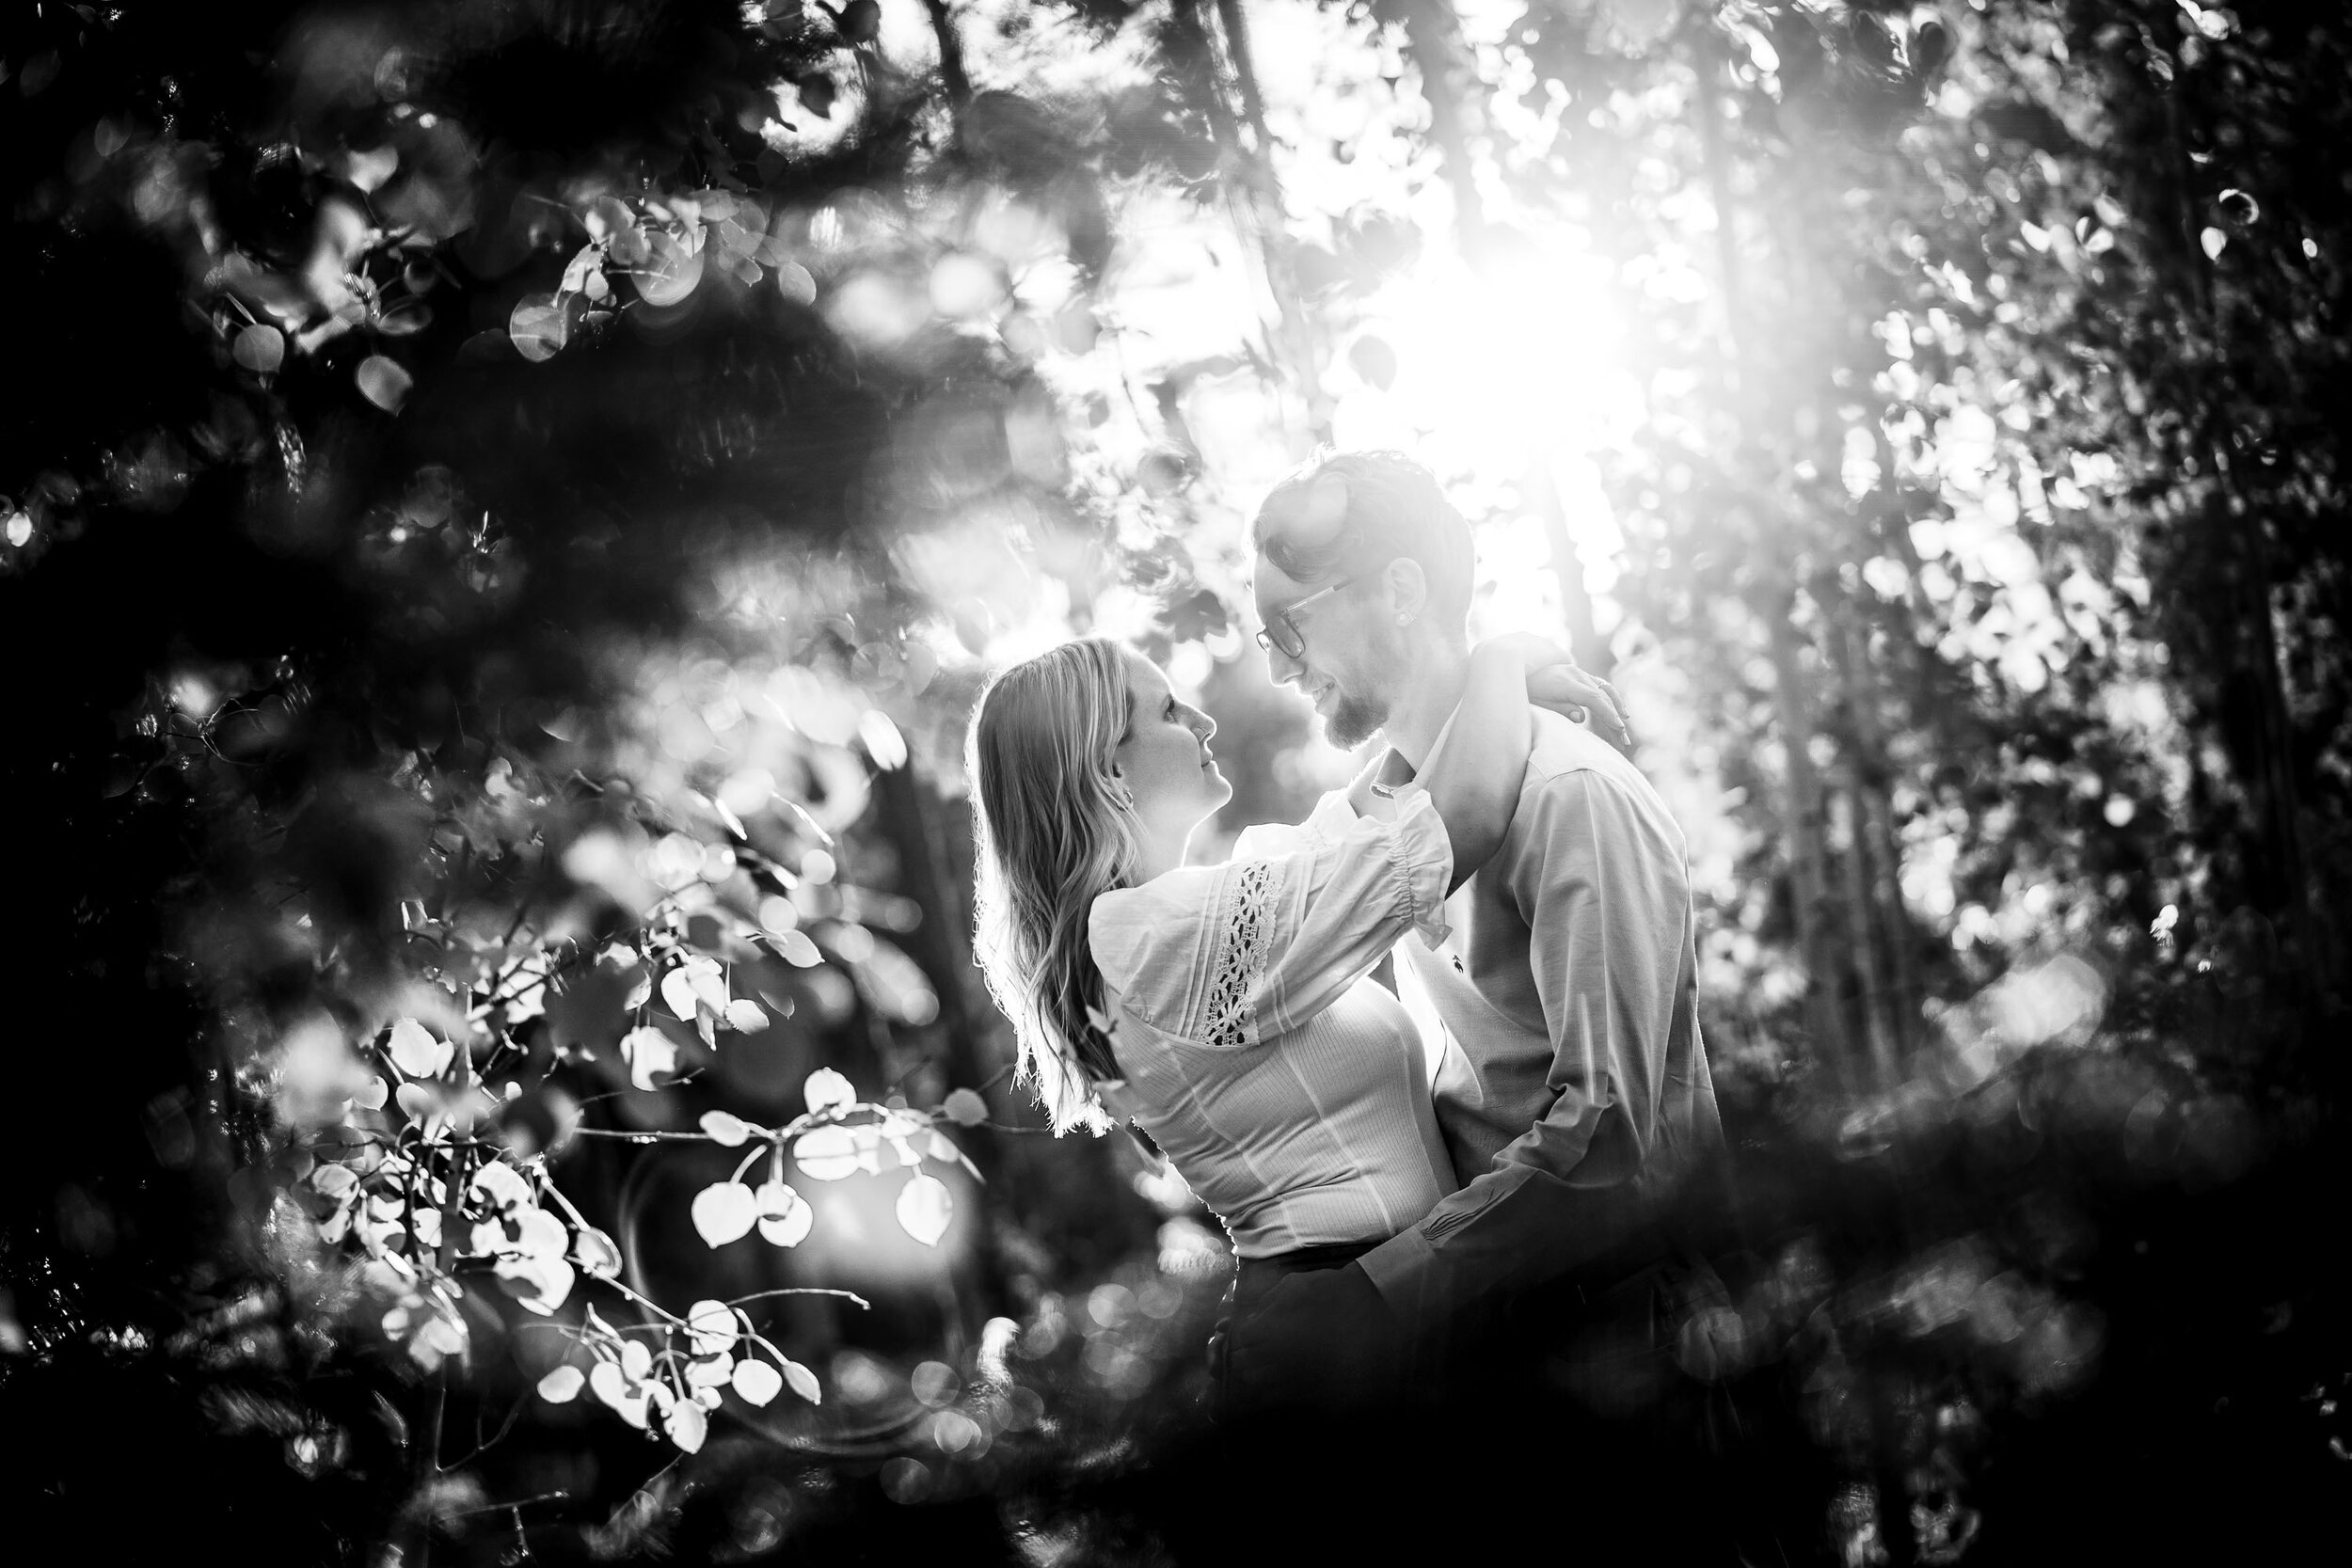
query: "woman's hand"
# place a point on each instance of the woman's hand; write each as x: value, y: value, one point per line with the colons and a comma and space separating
x: 1567, y: 688
x: 1555, y: 681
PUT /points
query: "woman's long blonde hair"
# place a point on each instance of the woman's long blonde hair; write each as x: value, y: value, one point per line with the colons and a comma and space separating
x: 1053, y: 830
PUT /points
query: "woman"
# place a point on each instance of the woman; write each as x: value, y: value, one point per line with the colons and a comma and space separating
x: 1228, y: 1009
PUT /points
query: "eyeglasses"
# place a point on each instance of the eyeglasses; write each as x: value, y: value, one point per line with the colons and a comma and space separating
x: 1283, y: 632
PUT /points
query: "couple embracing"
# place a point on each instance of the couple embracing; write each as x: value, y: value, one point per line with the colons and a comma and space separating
x: 1469, y: 1219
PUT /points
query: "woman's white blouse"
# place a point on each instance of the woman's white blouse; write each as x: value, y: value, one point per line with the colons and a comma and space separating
x: 1289, y: 1089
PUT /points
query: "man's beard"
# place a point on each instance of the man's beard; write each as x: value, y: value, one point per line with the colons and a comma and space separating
x: 1356, y: 718
x: 1354, y: 721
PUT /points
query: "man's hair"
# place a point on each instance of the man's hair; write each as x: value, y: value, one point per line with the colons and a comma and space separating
x: 1354, y: 512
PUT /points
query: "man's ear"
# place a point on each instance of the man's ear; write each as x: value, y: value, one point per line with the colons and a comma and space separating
x: 1407, y: 589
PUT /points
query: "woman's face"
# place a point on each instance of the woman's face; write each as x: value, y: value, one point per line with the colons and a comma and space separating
x: 1163, y: 758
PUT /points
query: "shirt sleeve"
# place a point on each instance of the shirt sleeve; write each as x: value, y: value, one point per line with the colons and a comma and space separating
x: 1229, y: 956
x: 1330, y: 819
x: 1606, y: 899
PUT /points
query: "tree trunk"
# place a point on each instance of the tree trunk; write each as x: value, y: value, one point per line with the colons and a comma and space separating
x: 951, y: 72
x: 1458, y: 124
x: 2275, y: 769
x: 1886, y: 849
x: 1876, y: 937
x: 1214, y: 33
x: 1802, y: 808
x: 1878, y: 1019
x: 1591, y: 649
x: 1433, y: 41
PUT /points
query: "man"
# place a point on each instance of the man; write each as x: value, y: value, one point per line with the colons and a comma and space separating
x: 1573, y: 1092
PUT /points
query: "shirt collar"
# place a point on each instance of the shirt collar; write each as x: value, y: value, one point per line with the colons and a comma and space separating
x: 1394, y: 771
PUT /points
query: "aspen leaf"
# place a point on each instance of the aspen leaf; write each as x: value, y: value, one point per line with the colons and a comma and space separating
x: 542, y: 1235
x: 439, y: 1336
x: 757, y: 1382
x: 669, y: 271
x: 1931, y: 46
x: 817, y: 93
x: 371, y: 1096
x: 678, y: 992
x: 727, y: 1131
x: 924, y: 1209
x: 785, y: 1216
x: 502, y: 1185
x: 609, y: 1384
x: 795, y: 948
x: 607, y: 216
x: 883, y: 742
x: 384, y: 383
x: 628, y: 245
x: 417, y: 1101
x: 259, y: 348
x: 405, y: 320
x: 711, y: 1325
x: 724, y: 1211
x: 796, y: 283
x: 596, y: 1254
x: 1371, y: 358
x: 538, y: 326
x: 803, y: 1381
x: 791, y: 1230
x: 540, y: 1284
x: 648, y: 1051
x: 416, y: 1052
x: 828, y: 1090
x: 746, y: 1016
x: 563, y: 1385
x: 965, y: 1108
x: 827, y: 1154
x: 921, y: 665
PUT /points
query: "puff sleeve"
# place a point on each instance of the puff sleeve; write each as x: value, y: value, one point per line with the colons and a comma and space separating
x: 1230, y: 956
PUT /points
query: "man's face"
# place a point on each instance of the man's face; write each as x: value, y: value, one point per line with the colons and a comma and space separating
x: 1353, y: 660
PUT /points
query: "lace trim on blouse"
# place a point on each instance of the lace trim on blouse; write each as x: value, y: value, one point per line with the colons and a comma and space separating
x: 1248, y: 930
